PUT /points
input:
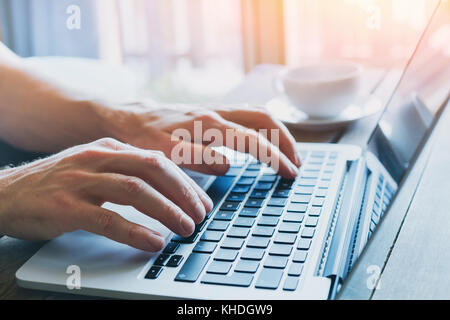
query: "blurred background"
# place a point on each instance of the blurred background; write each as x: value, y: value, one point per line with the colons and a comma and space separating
x: 196, y: 50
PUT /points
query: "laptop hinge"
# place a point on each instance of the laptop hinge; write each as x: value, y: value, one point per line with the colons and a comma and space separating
x: 347, y: 216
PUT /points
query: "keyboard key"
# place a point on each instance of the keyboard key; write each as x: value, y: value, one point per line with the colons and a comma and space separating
x: 259, y: 194
x: 290, y: 284
x: 219, y: 188
x: 269, y: 278
x: 254, y: 166
x: 226, y: 255
x: 250, y: 173
x: 191, y: 239
x: 220, y: 267
x: 272, y: 211
x: 300, y: 256
x: 322, y: 193
x: 174, y: 261
x: 232, y: 243
x: 307, y: 182
x: 230, y: 206
x: 277, y: 202
x: 252, y: 254
x: 297, y: 207
x: 312, y: 167
x: 315, y: 211
x: 263, y: 186
x: 238, y: 232
x: 254, y: 203
x: 171, y: 247
x: 285, y: 184
x: 263, y: 231
x: 275, y: 262
x: 236, y: 279
x: 245, y: 181
x: 303, y: 190
x: 249, y: 212
x: 224, y: 215
x: 268, y: 221
x: 267, y: 178
x: 240, y: 189
x: 310, y: 175
x: 295, y: 269
x: 318, y: 202
x: 248, y: 266
x: 214, y: 236
x: 193, y: 267
x: 280, y: 249
x: 236, y: 197
x: 218, y: 225
x: 293, y: 217
x: 304, y: 244
x: 199, y: 227
x: 281, y: 193
x: 308, y: 232
x: 324, y: 184
x: 244, y: 222
x: 301, y: 198
x: 153, y: 273
x: 258, y: 242
x: 233, y: 172
x: 289, y: 227
x: 311, y: 221
x: 285, y: 238
x: 205, y: 247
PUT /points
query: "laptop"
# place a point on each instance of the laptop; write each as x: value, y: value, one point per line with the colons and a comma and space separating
x: 268, y: 237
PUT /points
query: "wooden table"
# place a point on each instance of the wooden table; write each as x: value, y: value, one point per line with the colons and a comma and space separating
x: 410, y: 246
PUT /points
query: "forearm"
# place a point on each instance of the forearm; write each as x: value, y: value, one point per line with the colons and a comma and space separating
x: 37, y: 116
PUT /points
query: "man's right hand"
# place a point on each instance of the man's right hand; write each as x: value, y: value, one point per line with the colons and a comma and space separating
x: 65, y: 192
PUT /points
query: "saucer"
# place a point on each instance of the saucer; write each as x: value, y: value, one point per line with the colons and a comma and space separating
x: 282, y: 109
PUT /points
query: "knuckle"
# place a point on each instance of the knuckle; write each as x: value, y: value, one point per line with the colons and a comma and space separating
x: 90, y: 153
x: 208, y: 116
x: 133, y: 185
x: 157, y: 161
x: 105, y: 221
x: 109, y: 143
x: 63, y: 201
x: 133, y: 231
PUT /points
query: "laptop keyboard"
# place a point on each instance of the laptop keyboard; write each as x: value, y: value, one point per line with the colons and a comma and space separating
x: 262, y: 230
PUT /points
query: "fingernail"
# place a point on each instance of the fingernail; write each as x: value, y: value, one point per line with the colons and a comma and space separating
x: 156, y: 242
x: 201, y: 211
x: 294, y: 170
x: 298, y: 161
x: 187, y: 225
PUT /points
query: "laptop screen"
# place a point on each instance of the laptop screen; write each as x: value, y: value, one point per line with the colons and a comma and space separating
x: 421, y: 94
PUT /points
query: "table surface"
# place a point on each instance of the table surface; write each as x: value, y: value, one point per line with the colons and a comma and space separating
x: 409, y: 246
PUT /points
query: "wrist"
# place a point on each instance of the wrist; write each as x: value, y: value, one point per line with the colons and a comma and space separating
x: 118, y: 122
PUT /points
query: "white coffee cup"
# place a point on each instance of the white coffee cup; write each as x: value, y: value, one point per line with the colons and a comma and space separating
x: 322, y: 90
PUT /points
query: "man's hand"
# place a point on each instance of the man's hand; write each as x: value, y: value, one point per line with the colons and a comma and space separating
x: 152, y: 128
x: 65, y: 192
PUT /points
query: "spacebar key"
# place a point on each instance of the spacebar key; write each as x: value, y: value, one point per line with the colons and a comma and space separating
x: 236, y: 279
x: 193, y: 267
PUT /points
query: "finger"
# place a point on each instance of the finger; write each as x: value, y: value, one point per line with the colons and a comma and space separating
x: 194, y: 156
x: 161, y: 174
x: 247, y: 140
x: 207, y: 202
x: 111, y: 225
x: 135, y: 192
x: 259, y: 119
